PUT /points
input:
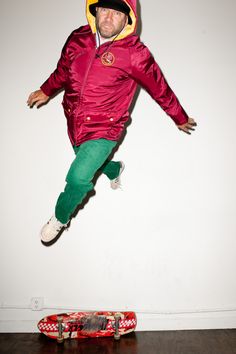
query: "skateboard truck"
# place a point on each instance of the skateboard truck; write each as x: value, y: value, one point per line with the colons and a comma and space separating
x: 60, y: 338
x: 117, y: 320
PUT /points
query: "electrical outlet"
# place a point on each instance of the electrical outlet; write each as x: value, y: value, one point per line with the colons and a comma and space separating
x: 36, y: 303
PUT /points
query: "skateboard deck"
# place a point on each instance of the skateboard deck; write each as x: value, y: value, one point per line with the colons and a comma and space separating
x: 88, y: 325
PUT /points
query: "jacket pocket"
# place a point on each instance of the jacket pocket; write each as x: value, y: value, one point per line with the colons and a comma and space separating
x: 99, y: 121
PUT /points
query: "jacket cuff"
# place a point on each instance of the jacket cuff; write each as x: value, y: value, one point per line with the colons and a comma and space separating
x: 181, y: 117
x: 47, y: 90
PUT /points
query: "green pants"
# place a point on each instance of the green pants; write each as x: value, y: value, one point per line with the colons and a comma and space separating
x: 91, y: 156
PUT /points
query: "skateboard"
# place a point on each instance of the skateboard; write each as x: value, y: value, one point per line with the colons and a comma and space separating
x: 87, y: 325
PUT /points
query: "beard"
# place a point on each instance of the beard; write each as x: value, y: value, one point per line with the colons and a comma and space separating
x: 107, y: 30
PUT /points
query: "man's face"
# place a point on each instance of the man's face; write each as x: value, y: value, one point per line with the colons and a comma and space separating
x: 110, y: 22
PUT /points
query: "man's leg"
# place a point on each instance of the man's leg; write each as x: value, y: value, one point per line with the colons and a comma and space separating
x: 89, y: 158
x: 113, y: 170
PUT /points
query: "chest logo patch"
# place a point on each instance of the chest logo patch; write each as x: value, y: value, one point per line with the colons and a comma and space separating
x: 107, y: 59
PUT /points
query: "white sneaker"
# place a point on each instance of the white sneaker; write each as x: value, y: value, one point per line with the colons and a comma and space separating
x: 116, y: 183
x: 52, y: 229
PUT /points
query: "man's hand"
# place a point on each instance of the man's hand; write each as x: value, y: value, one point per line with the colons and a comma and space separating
x: 188, y: 127
x: 37, y: 98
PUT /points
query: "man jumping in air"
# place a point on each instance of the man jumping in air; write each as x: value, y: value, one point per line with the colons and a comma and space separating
x: 99, y: 69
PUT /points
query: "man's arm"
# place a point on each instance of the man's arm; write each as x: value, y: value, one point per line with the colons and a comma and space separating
x: 57, y: 79
x: 54, y: 83
x: 147, y: 73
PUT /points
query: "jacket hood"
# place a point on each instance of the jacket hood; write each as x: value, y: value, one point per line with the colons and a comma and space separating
x: 129, y: 29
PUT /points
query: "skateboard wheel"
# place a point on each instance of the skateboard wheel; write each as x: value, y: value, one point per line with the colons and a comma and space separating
x: 60, y: 340
x: 117, y: 336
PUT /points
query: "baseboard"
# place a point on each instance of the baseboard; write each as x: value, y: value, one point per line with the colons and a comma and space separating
x: 222, y: 320
x: 21, y: 323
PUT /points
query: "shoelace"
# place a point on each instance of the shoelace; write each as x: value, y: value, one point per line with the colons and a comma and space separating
x: 117, y: 182
x: 56, y: 226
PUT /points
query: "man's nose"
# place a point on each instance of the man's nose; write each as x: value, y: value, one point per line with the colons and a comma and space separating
x: 109, y: 15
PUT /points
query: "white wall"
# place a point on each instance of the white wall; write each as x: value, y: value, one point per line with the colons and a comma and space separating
x: 165, y: 245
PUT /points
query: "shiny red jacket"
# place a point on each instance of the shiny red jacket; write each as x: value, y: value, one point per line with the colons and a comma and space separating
x: 99, y: 83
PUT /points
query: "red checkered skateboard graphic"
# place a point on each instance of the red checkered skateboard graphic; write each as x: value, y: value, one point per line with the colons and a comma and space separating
x: 88, y: 325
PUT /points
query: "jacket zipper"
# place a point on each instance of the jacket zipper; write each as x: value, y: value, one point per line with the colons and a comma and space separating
x: 86, y: 76
x: 96, y: 52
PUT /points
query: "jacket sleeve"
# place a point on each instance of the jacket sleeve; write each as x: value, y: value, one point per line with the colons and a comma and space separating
x: 146, y: 72
x: 57, y: 79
